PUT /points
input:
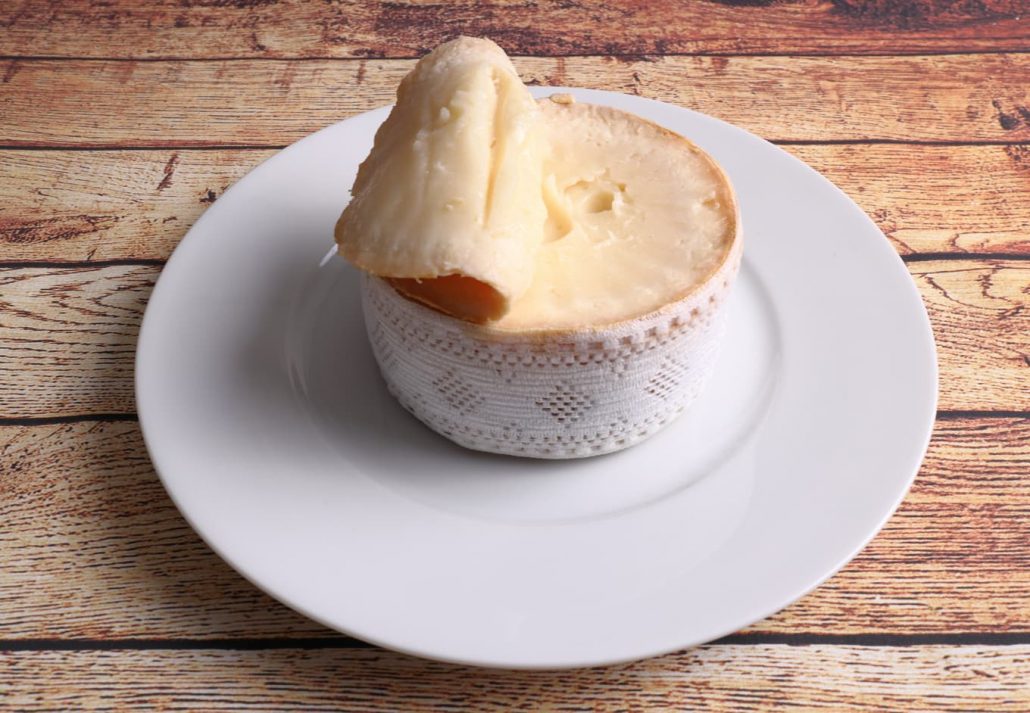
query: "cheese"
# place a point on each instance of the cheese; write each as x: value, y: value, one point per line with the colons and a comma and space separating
x: 620, y: 329
x: 545, y: 280
x: 448, y: 202
x: 637, y: 217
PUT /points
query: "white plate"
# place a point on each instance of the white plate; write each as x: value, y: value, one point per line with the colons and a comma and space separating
x: 267, y: 421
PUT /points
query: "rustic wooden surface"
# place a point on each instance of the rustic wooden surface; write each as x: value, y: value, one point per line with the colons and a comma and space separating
x: 120, y: 122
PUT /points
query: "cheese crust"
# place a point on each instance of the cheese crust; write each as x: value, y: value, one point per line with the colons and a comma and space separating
x: 451, y: 188
x: 571, y: 382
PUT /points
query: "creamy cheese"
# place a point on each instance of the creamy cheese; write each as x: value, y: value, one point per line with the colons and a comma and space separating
x: 596, y: 251
x: 448, y: 202
x: 636, y: 217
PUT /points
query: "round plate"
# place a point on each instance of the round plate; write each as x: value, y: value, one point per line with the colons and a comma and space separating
x: 267, y: 421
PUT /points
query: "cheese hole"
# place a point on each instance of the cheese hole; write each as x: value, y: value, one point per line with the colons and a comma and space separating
x: 599, y: 201
x: 582, y: 198
x: 559, y: 218
x: 598, y: 195
x: 590, y: 196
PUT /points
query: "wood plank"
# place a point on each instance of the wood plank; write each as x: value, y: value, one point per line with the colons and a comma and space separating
x: 68, y: 339
x: 980, y: 313
x: 272, y: 103
x: 349, y: 28
x: 67, y: 335
x: 93, y: 547
x: 935, y: 199
x: 113, y: 558
x: 109, y: 205
x: 113, y: 205
x: 712, y: 678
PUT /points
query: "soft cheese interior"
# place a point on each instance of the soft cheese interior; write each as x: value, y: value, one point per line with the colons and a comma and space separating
x: 492, y: 207
x: 637, y: 216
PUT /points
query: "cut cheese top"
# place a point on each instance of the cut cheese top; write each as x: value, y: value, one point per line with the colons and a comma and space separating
x: 637, y: 216
x: 448, y: 202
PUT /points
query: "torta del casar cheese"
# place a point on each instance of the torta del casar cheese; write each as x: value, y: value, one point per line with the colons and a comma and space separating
x: 614, y: 326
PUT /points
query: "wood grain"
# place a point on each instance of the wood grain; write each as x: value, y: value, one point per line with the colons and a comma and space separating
x: 111, y: 205
x: 891, y: 103
x: 67, y: 335
x: 935, y: 199
x: 349, y: 28
x: 93, y: 548
x: 272, y: 103
x: 981, y: 322
x: 68, y: 339
x: 717, y: 678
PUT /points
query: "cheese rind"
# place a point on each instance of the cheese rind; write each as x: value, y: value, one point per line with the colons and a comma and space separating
x: 452, y: 184
x: 620, y: 327
x: 637, y: 217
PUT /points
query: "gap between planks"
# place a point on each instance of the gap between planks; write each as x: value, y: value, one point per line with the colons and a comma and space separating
x: 1016, y: 638
x: 29, y: 421
x: 158, y: 262
x: 784, y: 143
x: 627, y: 56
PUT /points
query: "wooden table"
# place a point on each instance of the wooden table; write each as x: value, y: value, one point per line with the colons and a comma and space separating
x: 121, y: 122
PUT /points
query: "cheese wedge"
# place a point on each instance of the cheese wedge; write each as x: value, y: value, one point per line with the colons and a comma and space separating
x: 448, y: 203
x: 637, y: 217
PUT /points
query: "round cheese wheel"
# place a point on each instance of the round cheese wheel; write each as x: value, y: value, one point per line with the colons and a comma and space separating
x: 620, y: 328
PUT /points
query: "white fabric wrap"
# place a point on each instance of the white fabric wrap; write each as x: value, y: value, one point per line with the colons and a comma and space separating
x: 564, y: 394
